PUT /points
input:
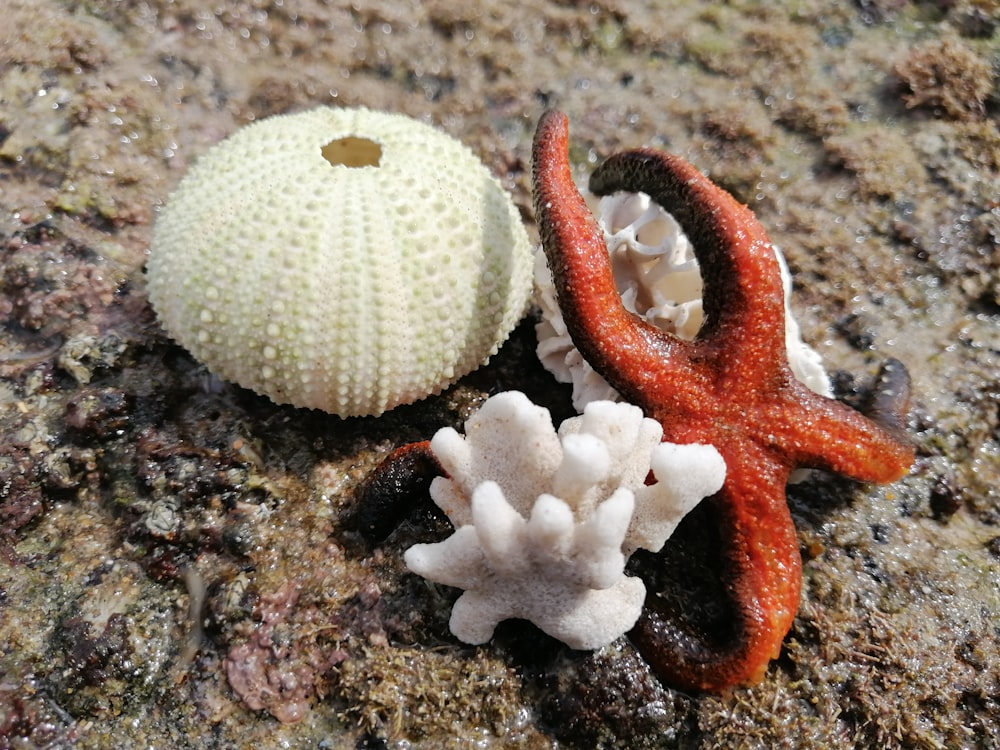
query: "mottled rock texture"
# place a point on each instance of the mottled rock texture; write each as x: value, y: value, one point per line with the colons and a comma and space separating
x: 177, y: 561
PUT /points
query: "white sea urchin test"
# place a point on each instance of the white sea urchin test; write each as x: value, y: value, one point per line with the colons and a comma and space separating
x: 340, y: 259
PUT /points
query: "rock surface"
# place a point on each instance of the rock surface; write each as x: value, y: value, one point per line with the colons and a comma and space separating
x: 177, y: 565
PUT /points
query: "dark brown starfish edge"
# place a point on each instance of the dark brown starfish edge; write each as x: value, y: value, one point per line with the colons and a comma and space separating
x: 731, y: 387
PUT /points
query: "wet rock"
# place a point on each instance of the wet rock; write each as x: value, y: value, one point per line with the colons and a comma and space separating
x: 99, y: 663
x: 267, y: 672
x: 98, y: 413
x: 946, y: 496
x: 610, y: 699
x: 98, y: 669
x: 84, y: 354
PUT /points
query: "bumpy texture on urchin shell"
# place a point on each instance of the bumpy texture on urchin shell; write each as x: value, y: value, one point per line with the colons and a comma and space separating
x: 350, y: 289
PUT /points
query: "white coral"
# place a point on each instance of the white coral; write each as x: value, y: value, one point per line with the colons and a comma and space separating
x: 545, y: 520
x: 659, y: 279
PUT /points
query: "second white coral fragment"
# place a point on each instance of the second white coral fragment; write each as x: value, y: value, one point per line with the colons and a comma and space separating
x: 659, y: 279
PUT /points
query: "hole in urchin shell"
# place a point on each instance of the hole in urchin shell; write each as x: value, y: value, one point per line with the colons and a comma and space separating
x: 352, y: 152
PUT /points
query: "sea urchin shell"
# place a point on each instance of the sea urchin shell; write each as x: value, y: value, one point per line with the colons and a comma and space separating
x: 340, y: 259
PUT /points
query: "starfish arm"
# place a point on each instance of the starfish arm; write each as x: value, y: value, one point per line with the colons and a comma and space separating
x: 603, y: 330
x: 743, y: 297
x: 822, y: 433
x: 763, y: 569
x: 394, y: 488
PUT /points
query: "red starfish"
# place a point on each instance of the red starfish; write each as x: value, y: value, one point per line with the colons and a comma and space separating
x: 730, y: 387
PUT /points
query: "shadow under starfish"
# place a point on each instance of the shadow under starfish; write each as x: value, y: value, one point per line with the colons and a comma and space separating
x: 730, y: 387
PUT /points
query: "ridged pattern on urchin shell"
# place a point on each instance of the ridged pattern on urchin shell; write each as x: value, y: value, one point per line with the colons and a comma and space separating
x: 346, y: 289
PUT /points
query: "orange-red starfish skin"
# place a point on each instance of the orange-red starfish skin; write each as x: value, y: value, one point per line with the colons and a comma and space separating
x: 730, y: 387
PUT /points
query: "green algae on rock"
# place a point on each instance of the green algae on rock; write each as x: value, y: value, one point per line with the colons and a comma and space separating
x: 340, y: 259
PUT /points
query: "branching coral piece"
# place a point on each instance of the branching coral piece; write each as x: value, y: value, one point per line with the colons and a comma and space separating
x: 545, y: 520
